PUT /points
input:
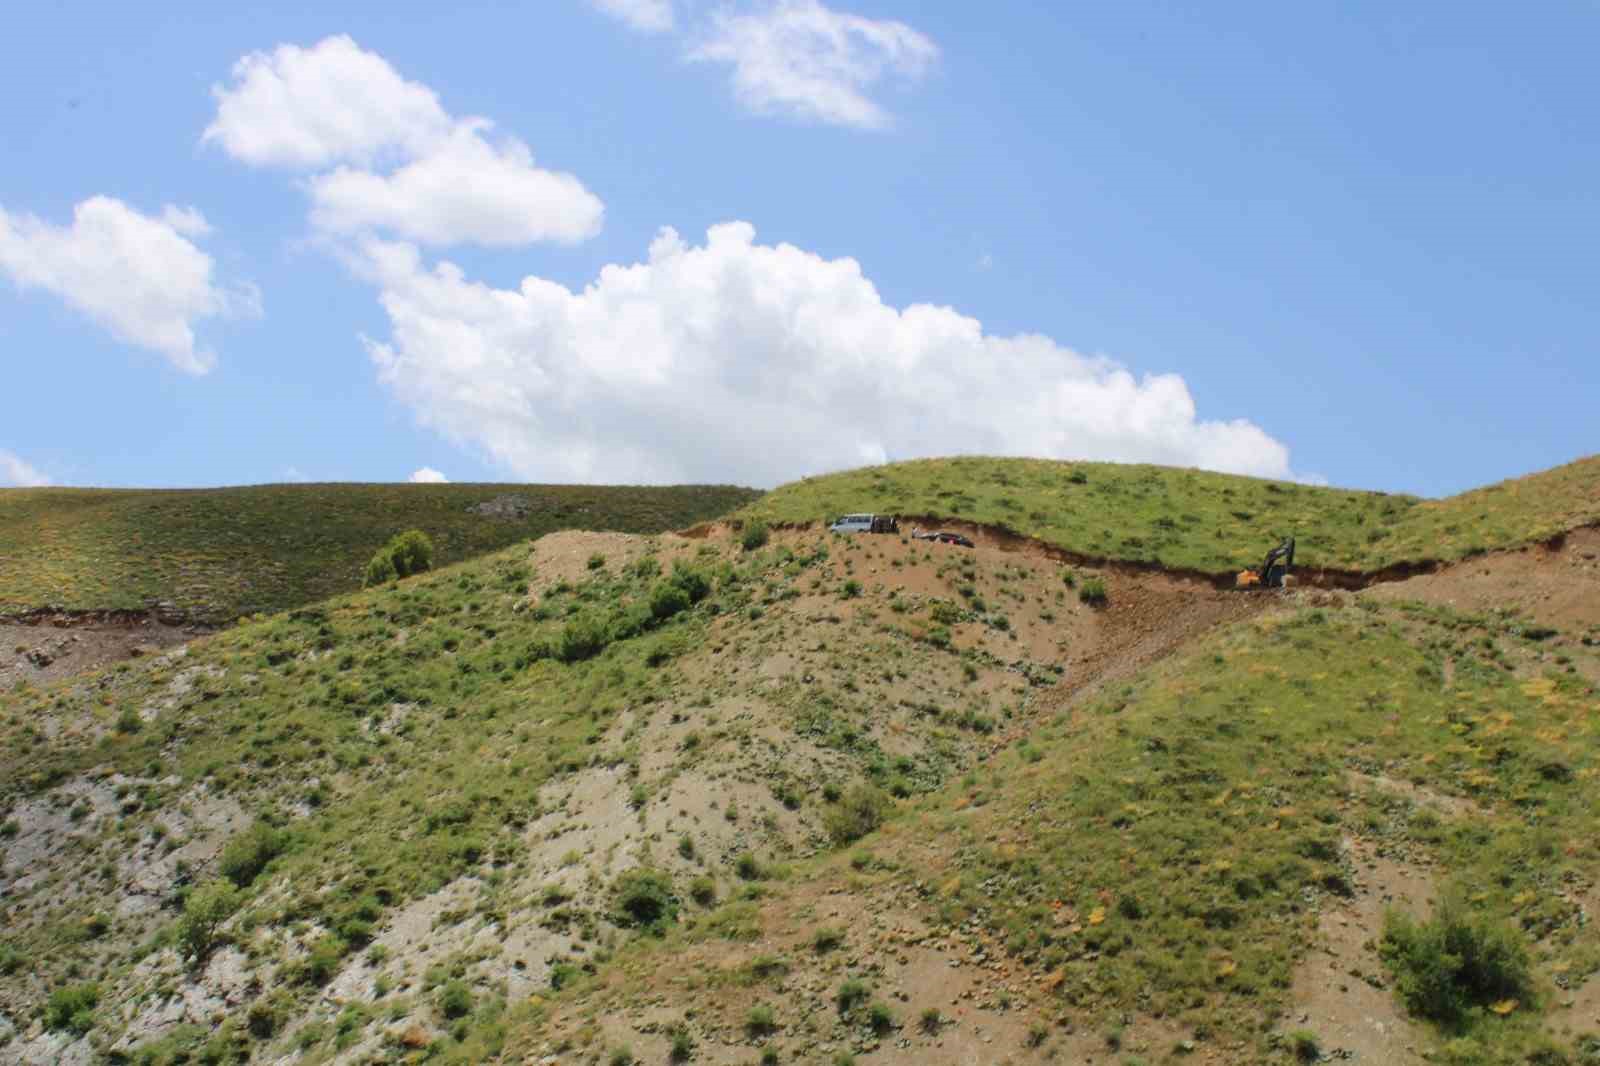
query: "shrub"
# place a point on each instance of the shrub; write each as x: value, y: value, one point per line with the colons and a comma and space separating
x: 10, y: 960
x: 1303, y: 1044
x: 623, y: 1056
x: 597, y: 561
x: 703, y: 890
x: 667, y: 600
x: 769, y: 1056
x: 760, y: 1021
x: 129, y: 722
x: 850, y: 993
x: 71, y: 1007
x: 1454, y: 962
x: 406, y: 553
x: 748, y: 867
x: 859, y: 811
x: 686, y: 846
x: 321, y: 962
x: 455, y: 1000
x: 644, y: 899
x: 582, y: 638
x: 248, y: 853
x: 380, y: 570
x: 931, y: 1020
x: 682, y: 1045
x: 827, y: 939
x: 850, y: 589
x: 695, y: 584
x: 204, y: 912
x: 880, y: 1018
x: 754, y: 536
x: 1093, y: 593
x: 412, y: 552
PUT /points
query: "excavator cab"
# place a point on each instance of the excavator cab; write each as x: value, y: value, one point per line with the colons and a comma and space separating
x: 1274, y: 572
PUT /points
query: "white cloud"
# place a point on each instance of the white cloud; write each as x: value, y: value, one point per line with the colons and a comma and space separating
x: 801, y: 58
x: 137, y: 276
x: 15, y: 472
x: 466, y: 189
x: 427, y: 475
x: 311, y: 107
x: 384, y: 156
x: 649, y: 16
x: 735, y: 361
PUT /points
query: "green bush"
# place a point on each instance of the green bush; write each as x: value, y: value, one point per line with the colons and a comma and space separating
x: 850, y: 994
x: 406, y: 553
x: 666, y: 600
x: 204, y: 912
x: 695, y: 584
x: 1093, y: 592
x: 71, y: 1007
x: 703, y: 890
x: 455, y: 1000
x: 761, y: 1020
x: 321, y: 962
x: 248, y: 853
x: 682, y: 1045
x: 1455, y: 962
x: 859, y: 811
x: 380, y: 570
x: 412, y: 552
x: 582, y: 638
x: 1304, y: 1045
x: 880, y: 1018
x: 10, y: 960
x: 753, y: 536
x: 748, y: 867
x: 645, y: 900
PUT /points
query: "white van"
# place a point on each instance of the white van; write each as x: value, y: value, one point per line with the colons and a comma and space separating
x: 853, y: 523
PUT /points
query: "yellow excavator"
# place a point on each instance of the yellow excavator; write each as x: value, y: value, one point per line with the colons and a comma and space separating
x: 1274, y: 573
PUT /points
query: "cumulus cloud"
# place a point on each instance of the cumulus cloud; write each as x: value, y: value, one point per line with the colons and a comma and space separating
x: 384, y: 156
x: 465, y: 189
x: 14, y: 472
x: 736, y: 361
x: 138, y: 276
x: 427, y: 475
x: 649, y: 16
x: 803, y: 59
x: 310, y: 107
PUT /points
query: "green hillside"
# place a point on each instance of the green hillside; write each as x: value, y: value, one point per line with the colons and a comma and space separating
x: 780, y: 796
x: 217, y: 554
x: 1196, y: 520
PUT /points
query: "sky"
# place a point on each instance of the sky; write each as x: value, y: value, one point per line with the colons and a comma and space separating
x: 746, y: 241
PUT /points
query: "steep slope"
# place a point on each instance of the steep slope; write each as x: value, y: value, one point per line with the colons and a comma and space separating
x: 1194, y: 867
x: 212, y: 555
x: 806, y: 796
x: 1196, y: 520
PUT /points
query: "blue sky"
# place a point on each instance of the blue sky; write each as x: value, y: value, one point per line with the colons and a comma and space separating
x: 1349, y: 241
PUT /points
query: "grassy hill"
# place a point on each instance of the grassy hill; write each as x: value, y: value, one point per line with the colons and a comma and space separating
x: 217, y: 554
x: 614, y: 799
x: 1198, y: 520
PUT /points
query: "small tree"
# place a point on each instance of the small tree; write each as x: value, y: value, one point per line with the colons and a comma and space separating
x: 412, y: 552
x: 204, y: 912
x: 1454, y: 962
x: 406, y: 553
